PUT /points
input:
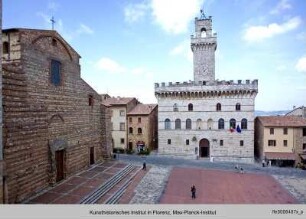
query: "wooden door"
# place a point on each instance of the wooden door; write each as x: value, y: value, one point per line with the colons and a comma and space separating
x: 59, y: 159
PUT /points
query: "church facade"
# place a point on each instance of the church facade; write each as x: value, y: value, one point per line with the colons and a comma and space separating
x: 206, y: 118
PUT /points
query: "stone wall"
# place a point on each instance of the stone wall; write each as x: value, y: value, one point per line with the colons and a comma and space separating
x: 106, y: 132
x: 41, y: 118
x: 1, y: 142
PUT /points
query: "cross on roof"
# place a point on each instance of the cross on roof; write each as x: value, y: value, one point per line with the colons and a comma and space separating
x: 53, y: 22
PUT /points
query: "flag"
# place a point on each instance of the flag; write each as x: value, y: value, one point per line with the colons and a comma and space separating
x: 238, y: 129
x: 232, y: 129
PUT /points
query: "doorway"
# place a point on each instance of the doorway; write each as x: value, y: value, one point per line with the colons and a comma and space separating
x: 91, y: 155
x: 204, y: 148
x: 59, y: 159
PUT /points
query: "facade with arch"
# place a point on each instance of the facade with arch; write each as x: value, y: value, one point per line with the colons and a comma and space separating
x: 206, y: 112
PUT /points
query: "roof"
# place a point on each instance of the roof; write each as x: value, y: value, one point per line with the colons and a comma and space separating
x: 280, y: 156
x: 282, y: 121
x: 142, y: 109
x: 117, y: 101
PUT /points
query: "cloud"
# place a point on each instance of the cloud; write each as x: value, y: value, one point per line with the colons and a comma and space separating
x: 174, y: 16
x: 301, y: 64
x: 182, y: 49
x: 135, y: 12
x: 109, y: 65
x: 281, y: 6
x: 259, y: 33
x: 84, y: 29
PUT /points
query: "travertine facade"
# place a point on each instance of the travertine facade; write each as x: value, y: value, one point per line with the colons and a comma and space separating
x: 52, y: 117
x: 280, y: 139
x: 195, y: 117
x: 142, y: 127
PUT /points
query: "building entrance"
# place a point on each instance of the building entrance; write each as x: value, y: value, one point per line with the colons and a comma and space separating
x: 204, y: 148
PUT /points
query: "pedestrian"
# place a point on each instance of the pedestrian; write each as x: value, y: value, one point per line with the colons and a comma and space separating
x: 237, y: 167
x: 263, y: 162
x: 193, y: 192
x: 241, y: 170
x: 144, y: 165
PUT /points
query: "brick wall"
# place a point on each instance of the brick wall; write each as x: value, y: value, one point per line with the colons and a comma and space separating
x: 106, y: 132
x: 41, y: 118
x: 1, y: 143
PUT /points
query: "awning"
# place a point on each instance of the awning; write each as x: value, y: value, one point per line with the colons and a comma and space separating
x: 303, y: 156
x: 279, y: 156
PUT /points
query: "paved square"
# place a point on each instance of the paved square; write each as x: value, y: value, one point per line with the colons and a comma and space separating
x: 223, y: 187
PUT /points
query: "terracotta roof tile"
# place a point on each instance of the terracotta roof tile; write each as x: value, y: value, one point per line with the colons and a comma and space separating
x: 281, y: 121
x: 117, y: 101
x: 142, y: 109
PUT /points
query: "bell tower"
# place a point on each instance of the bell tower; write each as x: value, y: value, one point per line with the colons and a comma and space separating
x: 203, y: 46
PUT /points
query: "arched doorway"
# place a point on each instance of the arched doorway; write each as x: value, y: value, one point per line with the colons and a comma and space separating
x: 204, y: 148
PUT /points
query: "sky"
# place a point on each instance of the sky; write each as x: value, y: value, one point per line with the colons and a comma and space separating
x: 128, y: 45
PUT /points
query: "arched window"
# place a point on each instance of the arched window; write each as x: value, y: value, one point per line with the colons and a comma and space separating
x: 188, y: 124
x: 199, y: 124
x: 6, y: 47
x: 175, y: 108
x: 177, y: 124
x: 190, y: 107
x: 238, y: 107
x: 167, y: 124
x: 244, y: 124
x: 203, y: 32
x: 233, y: 123
x: 218, y: 107
x: 221, y: 124
x: 209, y: 124
x: 139, y: 131
x: 130, y: 130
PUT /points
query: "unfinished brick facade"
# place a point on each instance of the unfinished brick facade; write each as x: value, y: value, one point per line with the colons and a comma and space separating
x: 1, y: 143
x: 51, y: 130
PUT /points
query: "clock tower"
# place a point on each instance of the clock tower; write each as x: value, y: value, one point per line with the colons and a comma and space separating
x: 203, y: 46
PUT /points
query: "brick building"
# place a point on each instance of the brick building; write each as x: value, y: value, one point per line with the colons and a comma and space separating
x: 52, y: 117
x: 142, y: 127
x: 1, y: 143
x: 206, y: 118
x: 118, y: 108
x: 280, y: 139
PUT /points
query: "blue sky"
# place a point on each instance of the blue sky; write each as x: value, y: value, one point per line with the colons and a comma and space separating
x: 127, y: 45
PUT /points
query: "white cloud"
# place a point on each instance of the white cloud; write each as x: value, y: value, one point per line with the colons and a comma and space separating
x: 173, y: 16
x: 84, y: 29
x: 135, y: 12
x: 301, y: 64
x: 281, y: 6
x: 183, y: 49
x: 258, y: 33
x: 109, y: 65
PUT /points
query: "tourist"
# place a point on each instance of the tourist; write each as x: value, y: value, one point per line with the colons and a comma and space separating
x: 144, y: 165
x: 193, y: 192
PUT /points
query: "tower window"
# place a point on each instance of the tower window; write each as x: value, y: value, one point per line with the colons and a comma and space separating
x: 233, y: 123
x: 238, y: 107
x: 221, y: 142
x: 55, y: 72
x: 244, y: 124
x: 167, y: 124
x: 177, y: 124
x: 6, y: 47
x: 175, y: 108
x: 271, y: 131
x: 218, y: 107
x: 241, y: 143
x: 169, y: 141
x: 188, y: 123
x: 130, y: 130
x: 139, y: 131
x: 203, y: 32
x: 187, y: 141
x: 190, y: 107
x: 221, y: 124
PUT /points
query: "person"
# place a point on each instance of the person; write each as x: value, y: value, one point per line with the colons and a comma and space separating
x: 263, y: 162
x: 237, y: 167
x: 193, y: 192
x: 144, y: 165
x: 241, y: 170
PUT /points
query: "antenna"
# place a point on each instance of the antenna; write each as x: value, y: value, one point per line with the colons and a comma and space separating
x: 53, y: 22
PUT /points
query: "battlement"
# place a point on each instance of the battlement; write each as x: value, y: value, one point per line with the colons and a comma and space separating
x: 218, y: 87
x: 203, y: 83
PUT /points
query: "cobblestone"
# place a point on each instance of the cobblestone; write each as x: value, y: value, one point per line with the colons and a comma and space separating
x: 151, y: 187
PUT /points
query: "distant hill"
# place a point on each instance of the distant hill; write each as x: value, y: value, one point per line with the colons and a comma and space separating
x: 271, y: 113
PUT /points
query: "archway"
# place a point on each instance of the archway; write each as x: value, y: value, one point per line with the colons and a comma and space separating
x: 204, y: 148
